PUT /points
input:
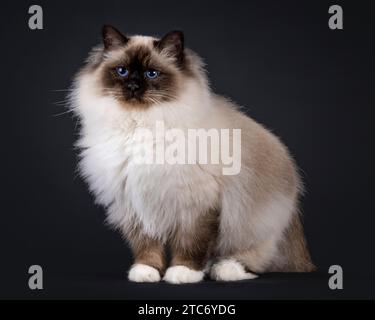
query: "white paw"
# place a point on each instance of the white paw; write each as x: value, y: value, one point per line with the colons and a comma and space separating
x: 143, y: 273
x: 182, y: 274
x: 230, y: 270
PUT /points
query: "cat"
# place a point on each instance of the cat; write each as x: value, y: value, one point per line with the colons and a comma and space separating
x: 230, y: 227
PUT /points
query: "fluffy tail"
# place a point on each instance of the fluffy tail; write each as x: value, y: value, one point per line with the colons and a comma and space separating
x: 294, y: 248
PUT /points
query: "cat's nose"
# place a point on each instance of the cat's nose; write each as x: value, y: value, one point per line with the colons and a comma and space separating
x: 133, y: 86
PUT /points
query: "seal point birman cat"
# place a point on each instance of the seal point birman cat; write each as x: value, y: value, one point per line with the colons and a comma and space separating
x: 231, y: 227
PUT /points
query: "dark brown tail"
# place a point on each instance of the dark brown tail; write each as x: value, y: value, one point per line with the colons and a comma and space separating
x: 294, y: 248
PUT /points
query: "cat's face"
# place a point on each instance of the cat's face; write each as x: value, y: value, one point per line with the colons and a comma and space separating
x: 141, y: 71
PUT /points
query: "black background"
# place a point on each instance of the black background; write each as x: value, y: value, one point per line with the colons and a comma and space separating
x: 312, y: 86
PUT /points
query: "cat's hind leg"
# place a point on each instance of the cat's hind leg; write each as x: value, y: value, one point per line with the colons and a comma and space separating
x: 245, y: 264
x: 229, y: 269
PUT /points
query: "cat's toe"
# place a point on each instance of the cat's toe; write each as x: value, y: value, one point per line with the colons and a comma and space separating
x: 143, y: 273
x: 182, y: 274
x: 230, y: 270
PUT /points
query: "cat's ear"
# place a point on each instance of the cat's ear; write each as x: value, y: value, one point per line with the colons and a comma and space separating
x: 112, y: 38
x: 173, y: 44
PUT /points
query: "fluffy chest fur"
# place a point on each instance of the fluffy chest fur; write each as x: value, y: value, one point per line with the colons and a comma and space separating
x: 159, y: 197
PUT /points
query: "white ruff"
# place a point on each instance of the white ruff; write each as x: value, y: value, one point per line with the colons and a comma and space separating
x: 159, y: 197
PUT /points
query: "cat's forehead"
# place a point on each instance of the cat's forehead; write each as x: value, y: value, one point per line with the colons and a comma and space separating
x: 140, y: 49
x: 144, y: 41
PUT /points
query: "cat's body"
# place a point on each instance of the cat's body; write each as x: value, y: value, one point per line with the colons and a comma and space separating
x: 240, y: 223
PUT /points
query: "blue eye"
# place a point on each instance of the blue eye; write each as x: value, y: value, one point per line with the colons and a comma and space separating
x: 122, y: 72
x: 152, y: 74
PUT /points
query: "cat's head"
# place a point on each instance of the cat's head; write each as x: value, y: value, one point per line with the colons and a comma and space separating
x: 140, y: 71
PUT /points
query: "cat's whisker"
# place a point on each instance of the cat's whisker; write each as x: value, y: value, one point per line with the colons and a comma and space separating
x: 62, y: 90
x: 63, y: 113
x: 62, y: 102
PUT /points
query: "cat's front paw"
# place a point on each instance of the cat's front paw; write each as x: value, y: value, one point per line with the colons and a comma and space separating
x: 143, y: 273
x: 182, y: 274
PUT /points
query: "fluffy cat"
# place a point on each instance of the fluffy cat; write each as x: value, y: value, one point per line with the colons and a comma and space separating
x: 232, y: 227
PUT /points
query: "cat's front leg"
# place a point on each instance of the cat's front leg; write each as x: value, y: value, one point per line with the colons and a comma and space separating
x: 191, y: 250
x: 149, y: 257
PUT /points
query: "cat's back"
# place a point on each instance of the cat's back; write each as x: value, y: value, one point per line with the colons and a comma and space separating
x: 263, y: 154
